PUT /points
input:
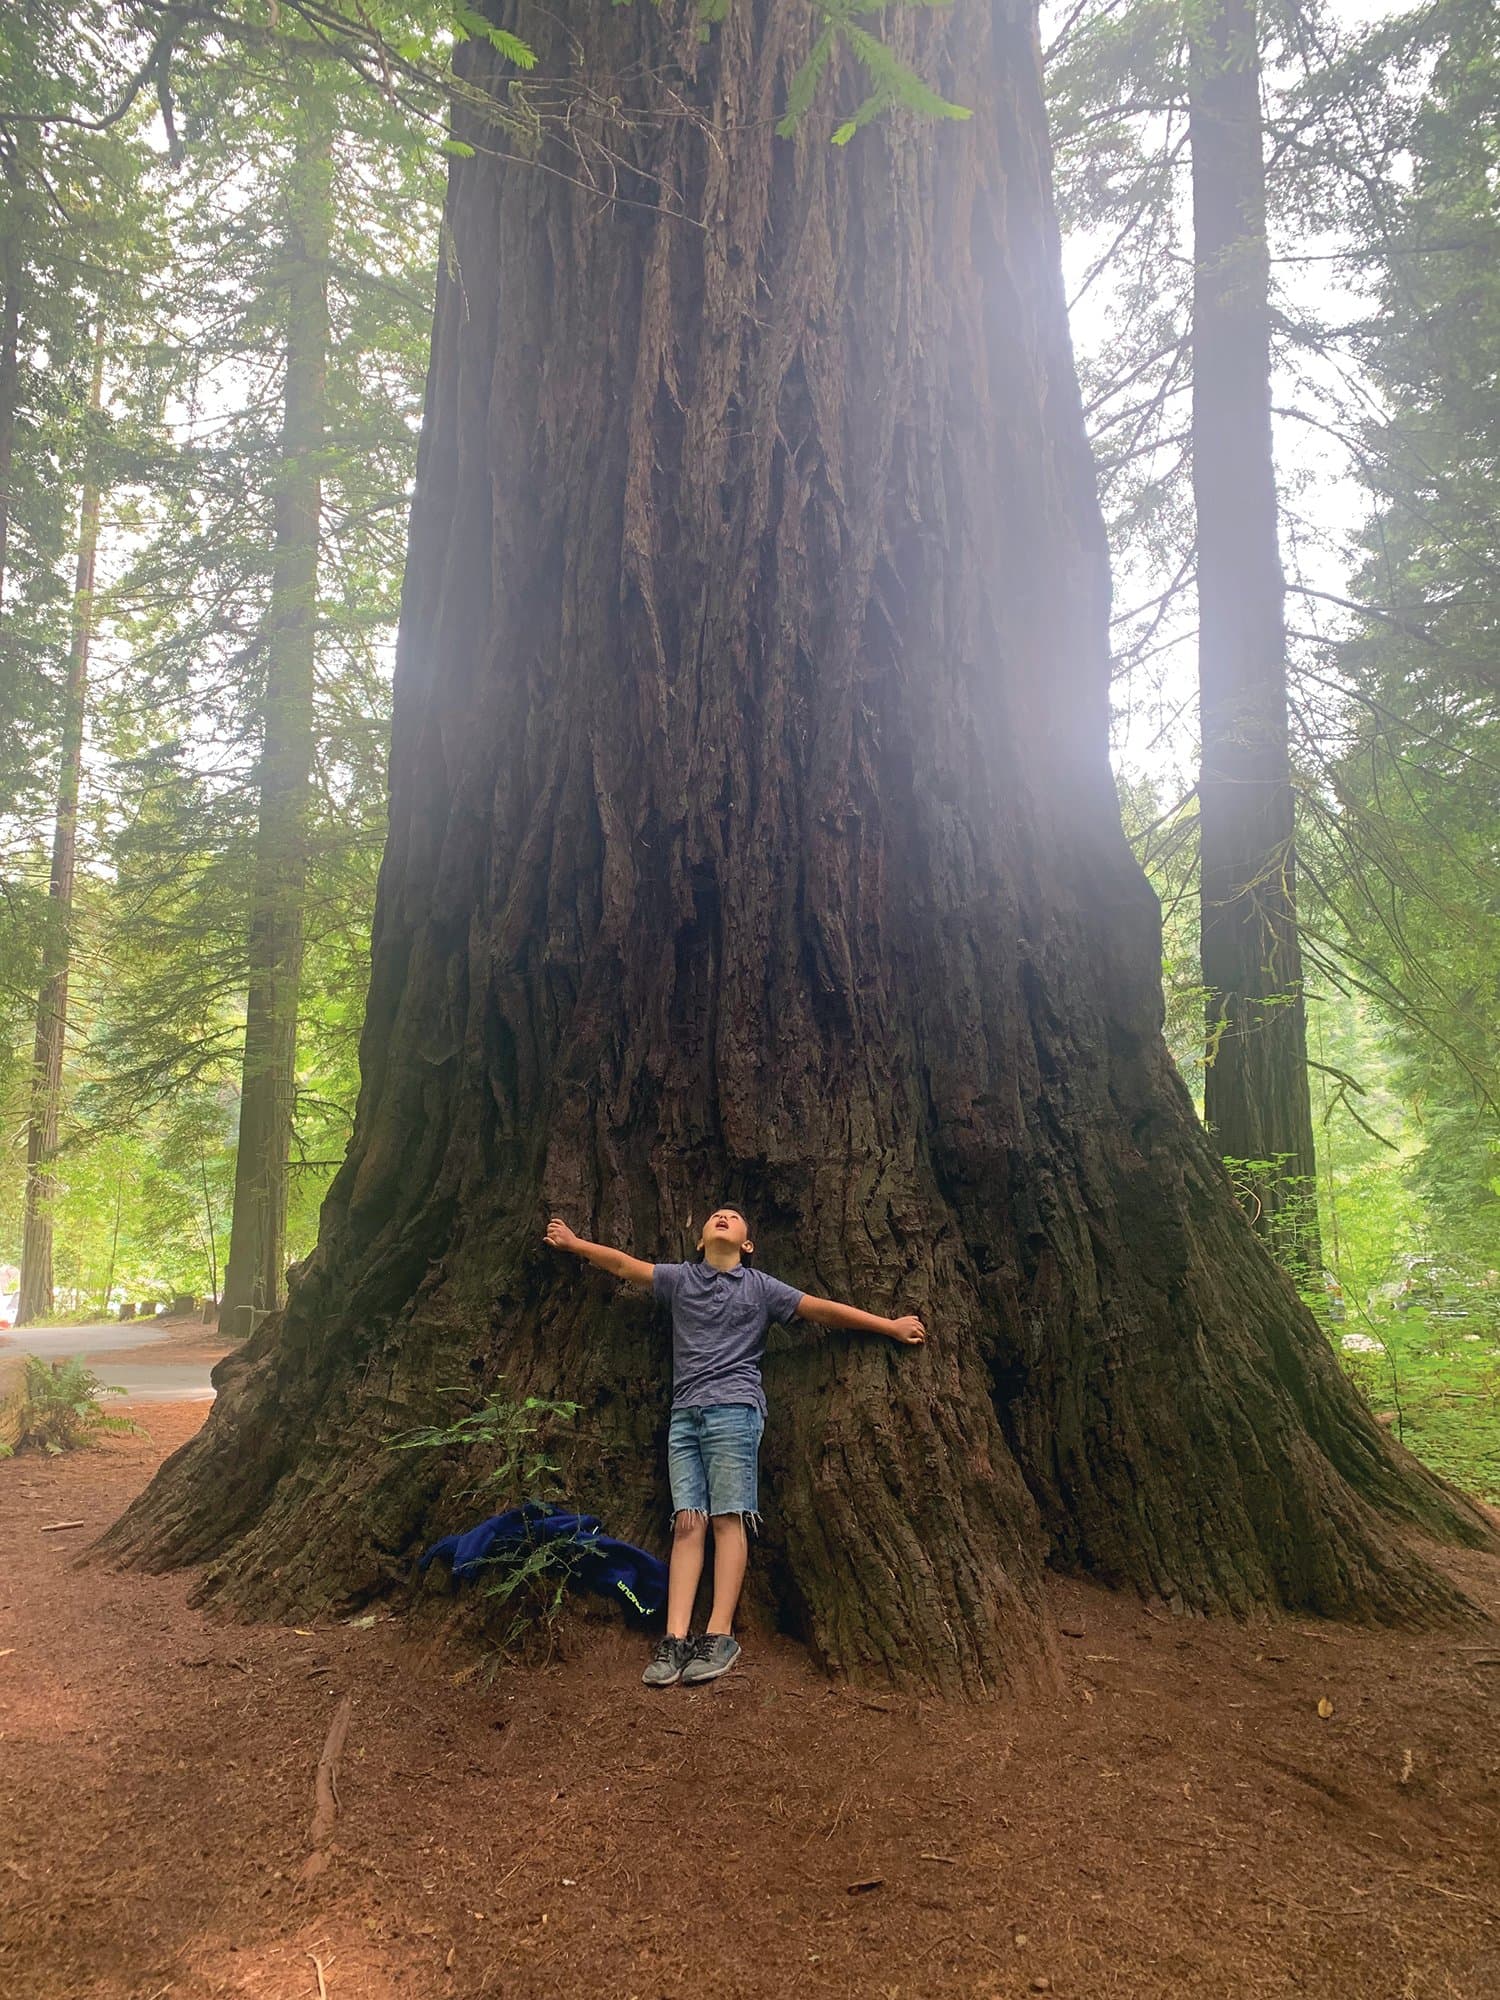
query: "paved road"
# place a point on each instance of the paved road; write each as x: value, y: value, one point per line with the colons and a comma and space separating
x: 164, y: 1381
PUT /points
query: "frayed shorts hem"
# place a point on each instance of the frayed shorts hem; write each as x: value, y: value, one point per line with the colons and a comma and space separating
x: 748, y: 1515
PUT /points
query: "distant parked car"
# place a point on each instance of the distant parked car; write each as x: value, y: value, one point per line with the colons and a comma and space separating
x: 8, y: 1304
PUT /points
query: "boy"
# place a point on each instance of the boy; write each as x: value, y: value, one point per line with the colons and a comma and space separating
x: 721, y: 1309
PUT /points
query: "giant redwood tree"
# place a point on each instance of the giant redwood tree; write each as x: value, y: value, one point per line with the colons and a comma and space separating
x: 752, y: 838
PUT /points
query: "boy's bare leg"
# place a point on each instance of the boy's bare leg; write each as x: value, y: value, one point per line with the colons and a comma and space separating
x: 685, y: 1571
x: 731, y: 1553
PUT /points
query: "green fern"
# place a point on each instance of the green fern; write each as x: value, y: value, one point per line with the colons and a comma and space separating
x: 58, y: 1409
x: 892, y: 85
x: 515, y: 1435
x: 805, y: 83
x: 470, y: 25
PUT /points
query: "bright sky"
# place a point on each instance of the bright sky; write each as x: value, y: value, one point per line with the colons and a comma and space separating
x: 1155, y: 724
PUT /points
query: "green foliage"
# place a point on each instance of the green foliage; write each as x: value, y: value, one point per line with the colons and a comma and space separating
x: 517, y: 1439
x: 194, y: 376
x: 1403, y: 1210
x: 1434, y: 1375
x: 58, y: 1409
x: 533, y: 1587
x: 1412, y: 1309
x: 1295, y: 1205
x: 1384, y: 166
x: 80, y: 247
x: 468, y: 22
x: 1407, y: 866
x: 143, y: 1212
x: 804, y: 84
x: 893, y: 84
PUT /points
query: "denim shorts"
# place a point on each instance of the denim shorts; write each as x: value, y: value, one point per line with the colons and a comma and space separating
x: 711, y: 1458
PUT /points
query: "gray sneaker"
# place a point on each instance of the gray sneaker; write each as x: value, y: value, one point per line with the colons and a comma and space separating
x: 714, y: 1654
x: 667, y: 1663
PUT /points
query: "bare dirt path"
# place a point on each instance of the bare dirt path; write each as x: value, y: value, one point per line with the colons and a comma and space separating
x: 1182, y: 1822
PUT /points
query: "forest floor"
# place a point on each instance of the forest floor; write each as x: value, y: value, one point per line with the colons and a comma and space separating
x: 1183, y: 1820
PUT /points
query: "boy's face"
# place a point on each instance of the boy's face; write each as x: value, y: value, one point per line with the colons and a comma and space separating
x: 729, y: 1227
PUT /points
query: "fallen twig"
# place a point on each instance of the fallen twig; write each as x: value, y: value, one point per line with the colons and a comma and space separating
x: 988, y: 1949
x: 326, y: 1793
x: 56, y: 1527
x: 318, y: 1968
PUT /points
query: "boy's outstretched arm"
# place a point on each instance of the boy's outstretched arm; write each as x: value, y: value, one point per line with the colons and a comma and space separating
x: 828, y: 1312
x: 614, y: 1261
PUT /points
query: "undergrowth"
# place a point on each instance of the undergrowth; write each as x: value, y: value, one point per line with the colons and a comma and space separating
x: 57, y: 1409
x: 1433, y: 1373
x: 517, y: 1440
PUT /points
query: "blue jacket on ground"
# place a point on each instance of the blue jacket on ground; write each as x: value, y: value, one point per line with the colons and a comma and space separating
x: 598, y: 1561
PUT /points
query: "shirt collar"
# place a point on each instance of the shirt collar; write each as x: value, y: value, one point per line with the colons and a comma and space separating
x: 735, y: 1271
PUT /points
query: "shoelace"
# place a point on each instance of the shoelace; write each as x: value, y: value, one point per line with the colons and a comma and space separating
x: 703, y: 1645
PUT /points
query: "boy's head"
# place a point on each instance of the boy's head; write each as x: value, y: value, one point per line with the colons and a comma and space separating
x: 725, y: 1236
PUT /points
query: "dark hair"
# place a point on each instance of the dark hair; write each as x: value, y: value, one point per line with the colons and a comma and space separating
x: 728, y: 1208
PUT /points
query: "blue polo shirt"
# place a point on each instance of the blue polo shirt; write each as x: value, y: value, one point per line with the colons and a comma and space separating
x: 719, y: 1322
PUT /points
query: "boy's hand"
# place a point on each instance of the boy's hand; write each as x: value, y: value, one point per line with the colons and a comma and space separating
x: 560, y: 1236
x: 909, y: 1331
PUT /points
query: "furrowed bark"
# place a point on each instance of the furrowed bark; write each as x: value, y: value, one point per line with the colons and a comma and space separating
x: 1256, y: 1098
x: 753, y: 838
x: 253, y: 1277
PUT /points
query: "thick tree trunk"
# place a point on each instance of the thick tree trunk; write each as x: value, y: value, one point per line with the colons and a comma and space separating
x: 753, y: 838
x: 257, y: 1236
x: 35, y: 1299
x: 1256, y: 1099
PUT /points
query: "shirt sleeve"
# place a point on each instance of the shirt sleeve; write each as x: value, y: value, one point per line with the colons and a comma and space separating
x: 665, y: 1279
x: 781, y: 1300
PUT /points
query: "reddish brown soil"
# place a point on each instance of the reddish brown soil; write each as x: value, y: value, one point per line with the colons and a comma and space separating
x: 1182, y: 1822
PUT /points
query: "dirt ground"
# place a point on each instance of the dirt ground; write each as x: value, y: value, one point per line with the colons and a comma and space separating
x: 1183, y: 1821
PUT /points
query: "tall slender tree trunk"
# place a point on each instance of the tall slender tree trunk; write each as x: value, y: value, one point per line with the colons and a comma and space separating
x: 1256, y: 1102
x: 52, y: 1005
x: 753, y: 838
x: 114, y: 1244
x: 10, y: 342
x: 213, y: 1240
x: 257, y: 1238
